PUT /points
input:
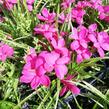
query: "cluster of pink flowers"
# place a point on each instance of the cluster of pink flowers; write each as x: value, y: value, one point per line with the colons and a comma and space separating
x: 5, y: 51
x: 79, y: 41
x: 9, y: 4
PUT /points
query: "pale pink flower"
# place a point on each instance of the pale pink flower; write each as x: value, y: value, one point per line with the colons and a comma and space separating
x: 68, y: 85
x: 46, y: 16
x: 5, y: 52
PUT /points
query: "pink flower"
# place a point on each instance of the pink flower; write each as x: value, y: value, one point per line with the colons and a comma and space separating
x: 33, y: 71
x: 77, y: 14
x: 82, y: 54
x: 103, y: 13
x: 66, y: 3
x: 100, y: 41
x: 83, y: 4
x: 96, y: 3
x: 5, y: 52
x: 9, y: 4
x: 59, y: 46
x: 46, y: 30
x: 46, y: 16
x: 64, y: 18
x: 80, y: 38
x: 80, y: 43
x: 53, y: 61
x: 69, y: 86
x: 29, y: 4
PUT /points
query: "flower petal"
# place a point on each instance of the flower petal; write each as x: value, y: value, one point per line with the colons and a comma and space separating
x: 61, y: 70
x: 63, y: 90
x: 45, y: 80
x: 35, y: 82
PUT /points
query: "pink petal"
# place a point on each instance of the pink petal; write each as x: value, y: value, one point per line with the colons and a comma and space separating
x: 30, y: 7
x: 45, y: 80
x: 105, y: 46
x: 63, y: 90
x: 51, y: 58
x: 61, y: 70
x: 63, y: 60
x: 41, y: 17
x: 39, y: 61
x: 41, y: 71
x: 73, y: 88
x: 48, y: 35
x: 53, y: 42
x: 79, y: 58
x: 48, y: 67
x: 101, y: 52
x: 82, y: 33
x: 93, y: 27
x: 61, y: 42
x: 35, y: 82
x: 83, y: 43
x: 45, y: 12
x: 75, y: 45
x: 74, y: 34
x: 27, y: 78
x: 92, y: 37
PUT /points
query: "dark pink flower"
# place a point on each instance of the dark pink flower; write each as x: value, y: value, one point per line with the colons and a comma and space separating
x: 46, y: 16
x: 69, y: 86
x: 29, y: 4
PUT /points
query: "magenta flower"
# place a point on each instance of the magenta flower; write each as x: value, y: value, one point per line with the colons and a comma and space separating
x: 34, y: 72
x: 5, y: 52
x: 46, y: 30
x: 46, y: 16
x: 69, y: 86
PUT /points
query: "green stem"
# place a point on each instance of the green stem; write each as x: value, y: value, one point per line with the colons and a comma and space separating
x: 58, y: 90
x: 24, y: 100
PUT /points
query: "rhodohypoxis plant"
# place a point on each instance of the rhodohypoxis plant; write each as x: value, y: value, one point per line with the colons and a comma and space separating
x: 51, y: 47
